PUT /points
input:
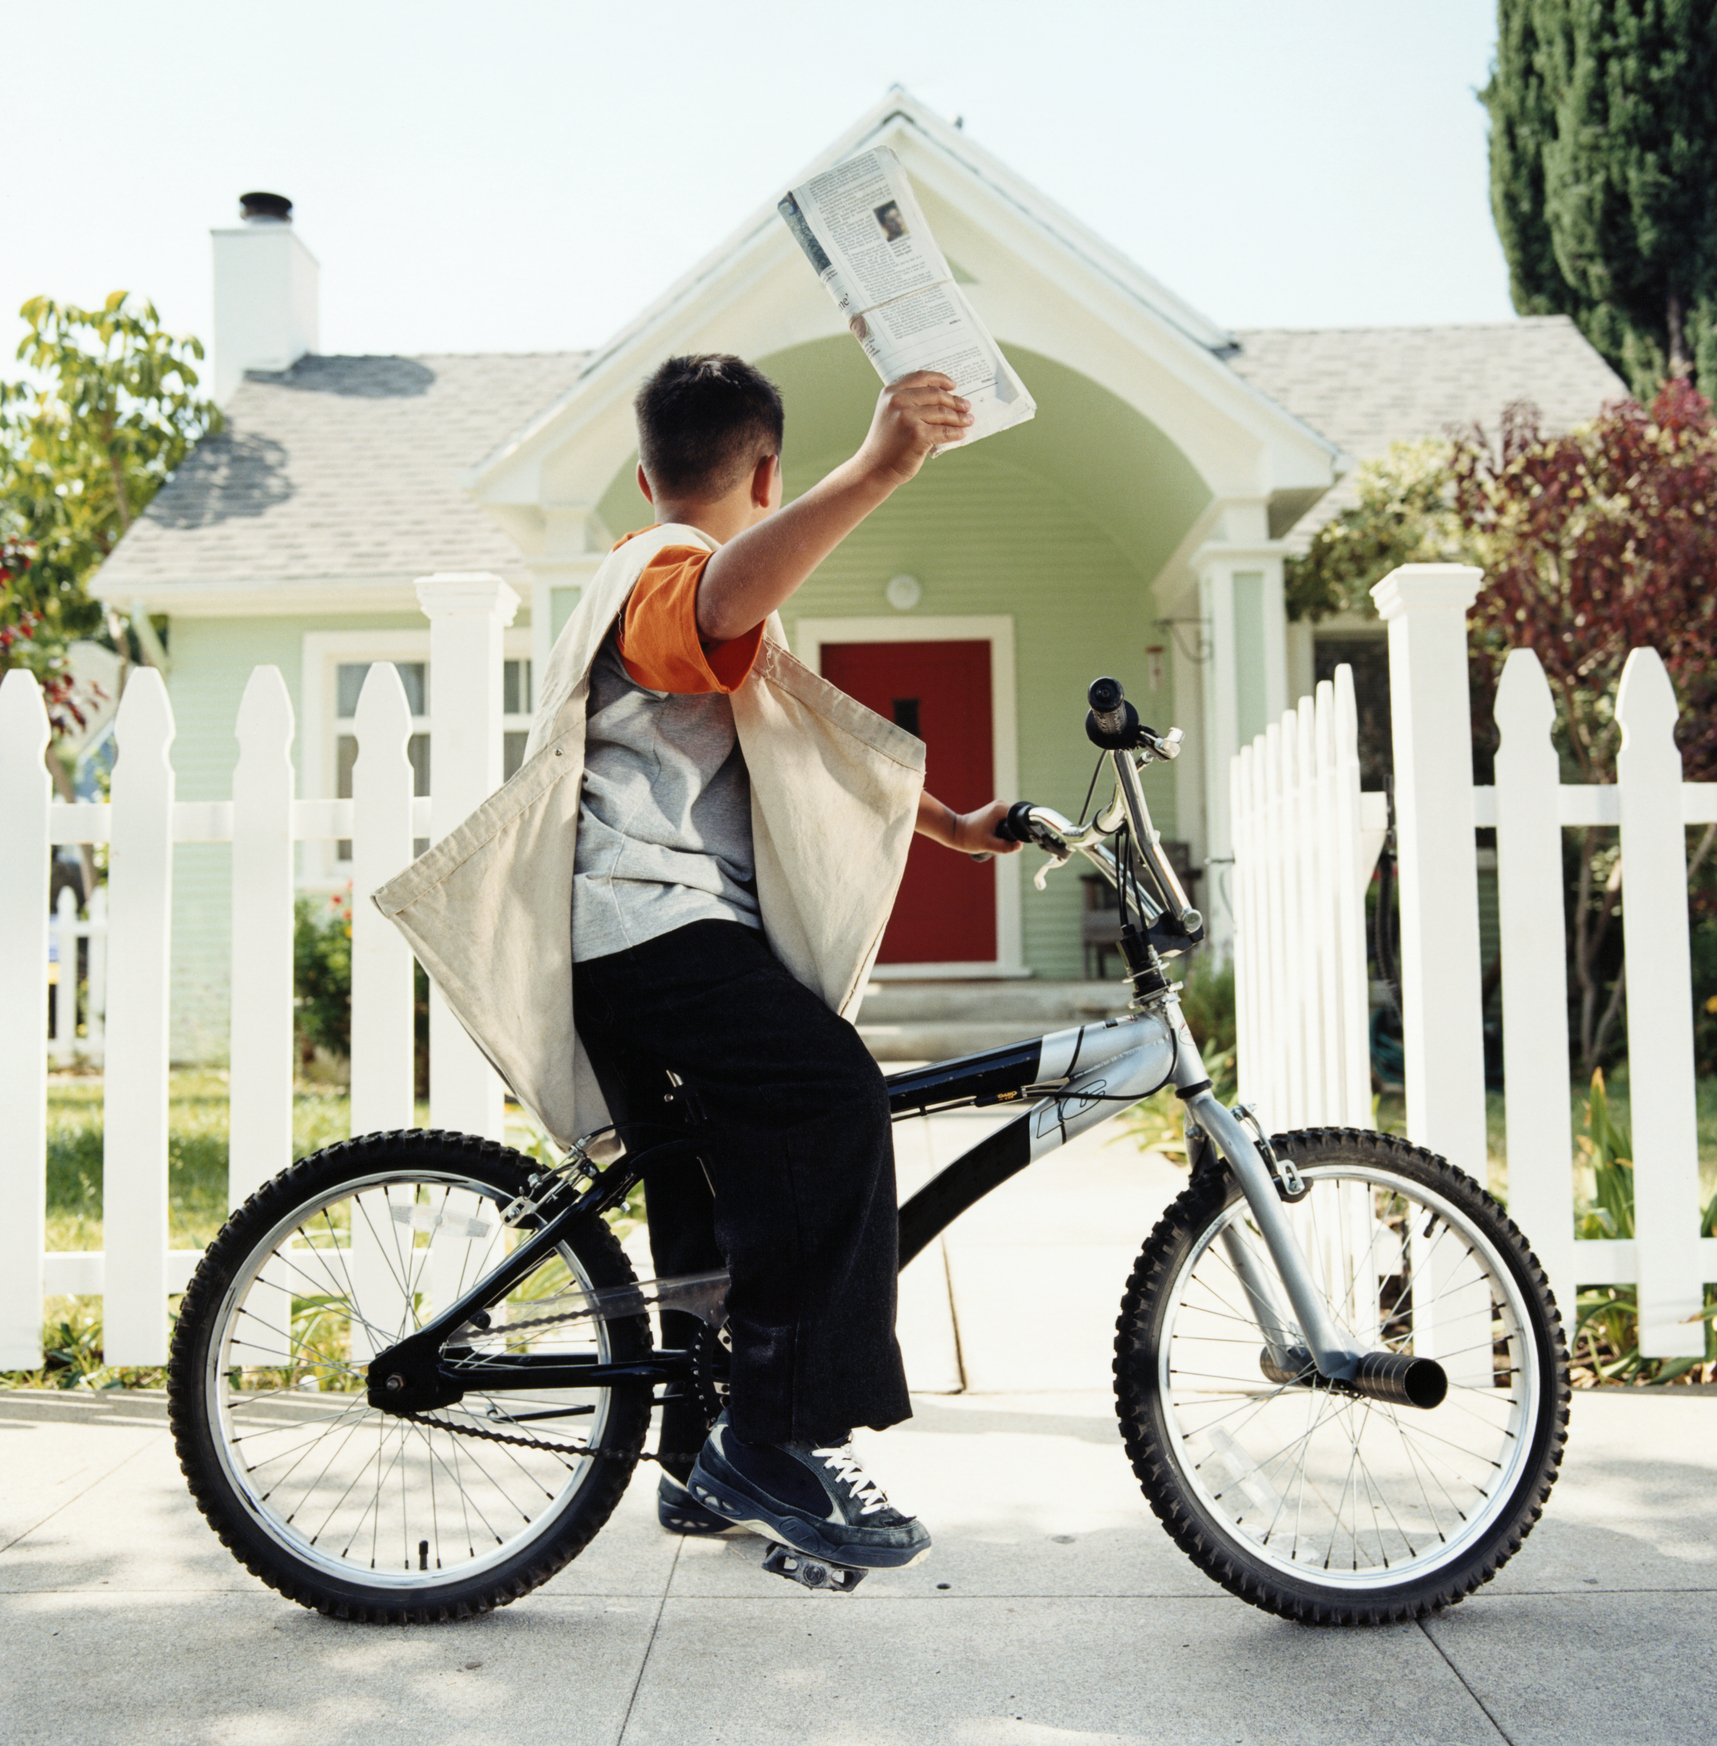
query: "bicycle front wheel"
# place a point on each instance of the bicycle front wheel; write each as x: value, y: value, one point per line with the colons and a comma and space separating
x: 1301, y: 1497
x: 376, y: 1516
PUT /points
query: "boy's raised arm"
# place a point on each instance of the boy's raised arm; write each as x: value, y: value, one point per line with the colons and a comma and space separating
x: 755, y: 571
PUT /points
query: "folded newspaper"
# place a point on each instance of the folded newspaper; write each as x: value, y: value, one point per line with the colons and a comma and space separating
x: 861, y: 227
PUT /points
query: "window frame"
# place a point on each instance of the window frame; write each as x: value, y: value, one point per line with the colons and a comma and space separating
x: 324, y: 653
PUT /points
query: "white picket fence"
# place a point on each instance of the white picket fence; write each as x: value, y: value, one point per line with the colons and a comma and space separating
x: 135, y: 1271
x: 65, y: 929
x: 1306, y: 841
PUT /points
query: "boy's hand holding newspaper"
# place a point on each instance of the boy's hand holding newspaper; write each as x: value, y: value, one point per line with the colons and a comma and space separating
x: 759, y: 568
x: 914, y: 418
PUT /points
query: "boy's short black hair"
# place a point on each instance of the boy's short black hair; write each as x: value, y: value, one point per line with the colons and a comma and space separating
x: 704, y: 422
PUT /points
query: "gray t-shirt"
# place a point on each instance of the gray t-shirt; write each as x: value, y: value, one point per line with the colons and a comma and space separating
x: 664, y: 828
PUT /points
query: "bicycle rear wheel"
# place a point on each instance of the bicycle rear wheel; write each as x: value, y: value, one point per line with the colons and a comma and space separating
x: 368, y: 1515
x: 1308, y: 1500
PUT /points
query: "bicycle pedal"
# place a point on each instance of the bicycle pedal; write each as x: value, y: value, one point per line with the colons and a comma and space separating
x: 814, y: 1573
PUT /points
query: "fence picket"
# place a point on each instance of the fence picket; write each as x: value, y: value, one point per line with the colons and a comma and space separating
x: 134, y: 1169
x: 25, y: 874
x: 382, y: 1021
x: 1314, y: 1022
x: 1276, y: 1013
x: 1353, y: 873
x: 1293, y: 990
x: 95, y: 1024
x: 1246, y: 938
x: 65, y: 1000
x: 260, y: 1079
x: 466, y: 616
x: 1425, y: 606
x: 1532, y: 924
x: 1660, y: 1013
x: 1328, y: 908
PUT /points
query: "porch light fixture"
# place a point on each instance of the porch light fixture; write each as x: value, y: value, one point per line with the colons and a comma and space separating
x: 904, y: 592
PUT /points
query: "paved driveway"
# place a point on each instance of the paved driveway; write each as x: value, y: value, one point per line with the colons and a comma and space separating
x: 1054, y: 1612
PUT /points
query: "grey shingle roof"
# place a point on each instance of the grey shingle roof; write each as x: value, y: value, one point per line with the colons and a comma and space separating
x: 1366, y: 387
x: 342, y: 468
x: 349, y: 468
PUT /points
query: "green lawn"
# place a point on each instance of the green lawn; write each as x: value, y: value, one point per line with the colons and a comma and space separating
x: 196, y: 1152
x: 196, y: 1187
x: 1392, y: 1118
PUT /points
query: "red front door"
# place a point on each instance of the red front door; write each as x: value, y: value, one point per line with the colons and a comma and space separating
x: 946, y: 910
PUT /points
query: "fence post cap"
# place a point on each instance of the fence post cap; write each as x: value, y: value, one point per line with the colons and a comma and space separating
x: 1413, y: 587
x: 467, y: 594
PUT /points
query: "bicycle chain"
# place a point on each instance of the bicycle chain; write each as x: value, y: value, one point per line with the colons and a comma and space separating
x: 537, y: 1443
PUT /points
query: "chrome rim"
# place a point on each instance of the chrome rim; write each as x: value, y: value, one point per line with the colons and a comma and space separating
x: 1344, y: 1491
x: 366, y: 1496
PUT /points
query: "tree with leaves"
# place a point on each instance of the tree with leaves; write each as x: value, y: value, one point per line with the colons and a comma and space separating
x: 1403, y: 514
x: 1595, y: 543
x: 1603, y: 167
x: 112, y: 409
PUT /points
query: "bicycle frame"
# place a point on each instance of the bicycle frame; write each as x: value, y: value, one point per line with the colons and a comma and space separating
x: 1067, y: 1082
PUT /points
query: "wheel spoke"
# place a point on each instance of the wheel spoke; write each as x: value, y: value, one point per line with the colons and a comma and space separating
x: 1345, y: 1491
x: 342, y: 1491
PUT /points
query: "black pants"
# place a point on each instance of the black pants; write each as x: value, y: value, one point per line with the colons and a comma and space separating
x: 803, y: 1211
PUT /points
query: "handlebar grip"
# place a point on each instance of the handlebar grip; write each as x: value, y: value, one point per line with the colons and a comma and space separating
x: 1106, y: 699
x: 1016, y: 827
x: 1113, y: 723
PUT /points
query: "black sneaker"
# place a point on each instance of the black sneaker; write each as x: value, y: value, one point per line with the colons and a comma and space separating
x: 817, y: 1500
x: 681, y: 1513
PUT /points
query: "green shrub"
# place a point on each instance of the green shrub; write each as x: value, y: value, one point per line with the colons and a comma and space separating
x: 322, y: 985
x: 1207, y: 1000
x: 322, y: 974
x: 1605, y: 1340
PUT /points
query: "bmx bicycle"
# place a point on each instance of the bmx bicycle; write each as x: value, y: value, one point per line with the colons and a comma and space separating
x: 414, y: 1373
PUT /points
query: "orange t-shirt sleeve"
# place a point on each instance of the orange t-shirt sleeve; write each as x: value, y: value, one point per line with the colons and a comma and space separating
x: 659, y: 642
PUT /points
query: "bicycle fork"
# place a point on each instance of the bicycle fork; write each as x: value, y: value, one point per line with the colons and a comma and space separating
x: 1320, y: 1345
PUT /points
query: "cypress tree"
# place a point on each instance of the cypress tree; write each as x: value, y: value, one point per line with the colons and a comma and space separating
x: 1603, y: 166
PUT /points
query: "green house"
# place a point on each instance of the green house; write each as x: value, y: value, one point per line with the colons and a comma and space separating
x: 1137, y: 526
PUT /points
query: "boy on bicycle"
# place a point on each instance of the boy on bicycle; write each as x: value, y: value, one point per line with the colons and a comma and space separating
x: 681, y: 921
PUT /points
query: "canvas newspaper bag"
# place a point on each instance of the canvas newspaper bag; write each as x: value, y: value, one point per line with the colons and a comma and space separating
x: 488, y: 910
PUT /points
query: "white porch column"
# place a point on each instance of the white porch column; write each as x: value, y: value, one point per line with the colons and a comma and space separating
x: 1425, y: 607
x: 564, y: 546
x: 1245, y: 680
x: 467, y: 614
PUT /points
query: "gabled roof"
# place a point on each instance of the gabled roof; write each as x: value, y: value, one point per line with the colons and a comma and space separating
x: 1368, y: 387
x: 755, y: 295
x: 339, y: 471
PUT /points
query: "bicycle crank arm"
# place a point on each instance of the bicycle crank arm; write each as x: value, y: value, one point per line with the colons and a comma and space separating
x: 397, y: 1385
x: 415, y: 1359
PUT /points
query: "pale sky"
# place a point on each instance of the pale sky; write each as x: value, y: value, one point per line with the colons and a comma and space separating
x: 518, y: 175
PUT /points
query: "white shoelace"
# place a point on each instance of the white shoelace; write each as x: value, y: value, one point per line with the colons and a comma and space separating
x: 845, y: 1466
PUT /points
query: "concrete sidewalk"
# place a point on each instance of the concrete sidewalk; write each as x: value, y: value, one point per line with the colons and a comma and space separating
x: 1054, y: 1612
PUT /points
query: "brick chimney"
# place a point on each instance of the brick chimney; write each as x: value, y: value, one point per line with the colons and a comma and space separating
x: 265, y: 293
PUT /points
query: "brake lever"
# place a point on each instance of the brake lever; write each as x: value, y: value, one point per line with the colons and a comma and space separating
x: 1057, y: 858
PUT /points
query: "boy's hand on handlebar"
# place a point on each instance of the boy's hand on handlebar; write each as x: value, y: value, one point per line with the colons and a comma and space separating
x: 913, y: 416
x: 974, y: 833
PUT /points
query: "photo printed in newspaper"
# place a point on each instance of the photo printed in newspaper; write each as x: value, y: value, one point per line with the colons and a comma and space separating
x: 862, y: 229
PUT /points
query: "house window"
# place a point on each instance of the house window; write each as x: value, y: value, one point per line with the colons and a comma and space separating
x: 349, y: 677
